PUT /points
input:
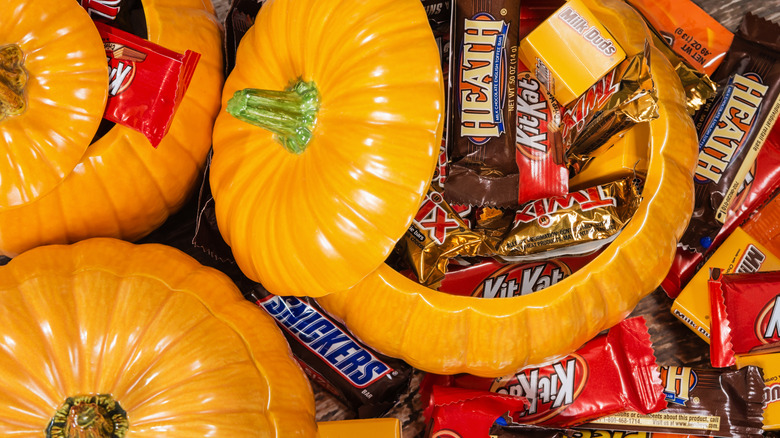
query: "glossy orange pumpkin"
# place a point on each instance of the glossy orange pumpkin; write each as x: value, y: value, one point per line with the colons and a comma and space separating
x: 123, y: 187
x: 447, y: 334
x: 318, y: 220
x: 172, y: 342
x: 53, y: 68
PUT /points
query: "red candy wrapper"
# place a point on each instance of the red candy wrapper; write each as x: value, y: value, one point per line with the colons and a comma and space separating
x: 610, y: 374
x: 745, y: 311
x: 146, y: 82
x: 539, y: 146
x: 464, y: 413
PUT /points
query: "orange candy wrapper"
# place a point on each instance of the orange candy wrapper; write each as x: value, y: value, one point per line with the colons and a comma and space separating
x: 688, y: 30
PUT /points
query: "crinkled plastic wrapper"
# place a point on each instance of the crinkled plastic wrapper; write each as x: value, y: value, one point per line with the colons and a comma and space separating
x: 577, y: 223
x: 621, y: 98
x: 437, y: 234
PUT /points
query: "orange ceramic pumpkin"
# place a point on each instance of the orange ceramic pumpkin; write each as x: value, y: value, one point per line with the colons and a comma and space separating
x: 104, y: 338
x: 119, y: 186
x: 53, y: 88
x: 313, y: 208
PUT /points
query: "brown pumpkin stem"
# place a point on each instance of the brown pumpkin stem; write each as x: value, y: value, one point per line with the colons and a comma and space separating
x: 13, y: 79
x: 290, y: 114
x: 88, y: 416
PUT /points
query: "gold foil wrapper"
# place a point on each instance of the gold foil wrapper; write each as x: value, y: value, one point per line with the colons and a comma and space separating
x: 697, y: 85
x: 571, y: 223
x: 437, y: 234
x: 623, y: 97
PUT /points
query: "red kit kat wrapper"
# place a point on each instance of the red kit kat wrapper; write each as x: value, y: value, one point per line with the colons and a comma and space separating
x: 493, y: 279
x: 609, y: 374
x: 540, y: 152
x: 745, y: 311
x: 146, y: 82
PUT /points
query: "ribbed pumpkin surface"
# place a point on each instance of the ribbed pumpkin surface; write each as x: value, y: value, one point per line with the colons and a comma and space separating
x: 319, y: 221
x: 123, y: 187
x: 65, y: 84
x: 173, y: 342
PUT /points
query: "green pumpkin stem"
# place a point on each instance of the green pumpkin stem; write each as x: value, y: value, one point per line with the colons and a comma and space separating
x: 290, y: 114
x: 88, y: 416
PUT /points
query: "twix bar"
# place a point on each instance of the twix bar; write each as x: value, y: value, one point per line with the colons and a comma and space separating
x: 577, y: 223
x: 621, y: 98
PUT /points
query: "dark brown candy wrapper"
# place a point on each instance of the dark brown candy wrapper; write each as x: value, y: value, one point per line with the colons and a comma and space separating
x: 481, y: 131
x: 127, y: 15
x: 760, y: 183
x: 240, y: 17
x: 529, y: 431
x: 365, y: 380
x: 701, y: 401
x: 734, y: 125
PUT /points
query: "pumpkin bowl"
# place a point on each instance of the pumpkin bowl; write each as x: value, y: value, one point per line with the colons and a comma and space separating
x: 119, y: 185
x: 447, y: 334
x: 141, y: 340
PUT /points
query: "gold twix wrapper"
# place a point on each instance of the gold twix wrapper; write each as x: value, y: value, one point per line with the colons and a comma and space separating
x: 577, y: 223
x: 437, y: 234
x: 624, y: 96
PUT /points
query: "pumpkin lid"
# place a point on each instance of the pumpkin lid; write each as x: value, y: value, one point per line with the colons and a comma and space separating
x: 366, y: 79
x: 53, y: 90
x: 146, y: 331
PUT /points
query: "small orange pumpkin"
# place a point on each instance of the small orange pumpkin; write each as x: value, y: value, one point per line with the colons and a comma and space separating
x: 449, y: 334
x: 311, y: 220
x: 53, y: 89
x: 106, y: 337
x: 121, y: 186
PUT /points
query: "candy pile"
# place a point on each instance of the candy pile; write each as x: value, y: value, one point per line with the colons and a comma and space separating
x: 541, y: 167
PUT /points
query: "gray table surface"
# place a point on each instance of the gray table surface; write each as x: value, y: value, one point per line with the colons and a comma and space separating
x: 674, y: 343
